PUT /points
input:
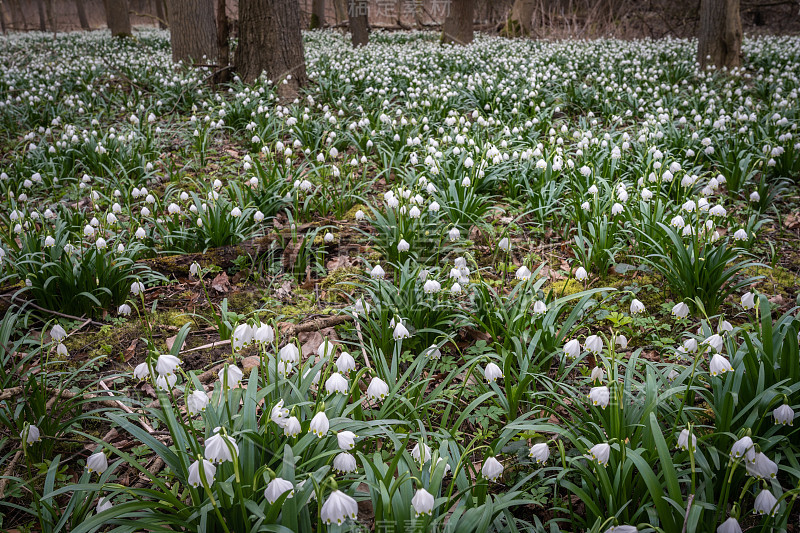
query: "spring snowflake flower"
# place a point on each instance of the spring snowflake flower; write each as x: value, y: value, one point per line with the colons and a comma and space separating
x: 783, y: 415
x: 731, y: 525
x: 680, y: 310
x: 345, y: 363
x: 523, y: 273
x: 492, y: 373
x: 572, y: 349
x: 762, y: 467
x: 492, y: 469
x: 377, y: 272
x: 196, y: 402
x: 400, y: 332
x: 540, y: 453
x: 338, y: 508
x: 719, y: 365
x: 683, y: 440
x: 599, y: 396
x: 744, y: 449
x: 103, y: 505
x: 765, y: 503
x: 230, y: 375
x: 637, y: 307
x: 221, y: 448
x: 33, y: 435
x: 336, y: 383
x: 600, y: 453
x: 289, y: 353
x: 97, y: 462
x: 167, y: 364
x: 581, y: 274
x: 594, y: 344
x: 291, y: 427
x: 209, y: 470
x: 748, y: 300
x: 421, y: 452
x: 423, y: 502
x: 377, y: 389
x: 277, y: 488
x: 319, y: 424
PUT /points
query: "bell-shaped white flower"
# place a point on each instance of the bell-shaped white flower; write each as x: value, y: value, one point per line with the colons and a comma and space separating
x: 338, y: 508
x: 97, y: 462
x: 291, y: 426
x: 167, y: 364
x: 431, y: 286
x: 346, y: 440
x: 715, y: 342
x: 748, y: 300
x: 421, y: 452
x: 242, y: 336
x: 264, y: 334
x: 540, y: 452
x: 209, y: 470
x: 141, y: 371
x: 523, y: 273
x: 377, y: 272
x: 279, y: 413
x: 319, y: 424
x: 277, y: 488
x: 581, y: 274
x: 599, y: 396
x: 344, y: 463
x: 539, y: 307
x: 594, y: 344
x: 336, y: 383
x: 492, y: 468
x: 58, y: 333
x: 765, y: 503
x: 218, y: 450
x: 103, y: 504
x: 572, y: 349
x: 719, y: 365
x: 783, y: 415
x: 33, y: 435
x: 400, y: 331
x: 731, y: 525
x: 166, y: 383
x: 230, y: 376
x: 637, y: 307
x: 492, y: 373
x: 600, y: 453
x: 196, y: 402
x: 680, y: 310
x: 762, y: 467
x: 423, y: 502
x: 598, y: 374
x: 683, y: 440
x: 504, y: 244
x: 454, y: 234
x: 743, y: 448
x: 289, y: 353
x: 377, y: 389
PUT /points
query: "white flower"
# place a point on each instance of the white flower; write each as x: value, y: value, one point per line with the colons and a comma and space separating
x: 264, y: 334
x: 360, y: 215
x: 338, y: 508
x: 748, y: 300
x: 289, y: 353
x: 594, y: 344
x: 219, y: 446
x: 328, y: 238
x: 454, y: 234
x: 124, y: 310
x: 137, y: 287
x: 539, y: 307
x: 683, y: 440
x: 242, y: 336
x: 755, y: 197
x: 344, y: 463
x: 431, y: 286
x: 58, y: 333
x: 103, y: 505
x: 523, y: 273
x: 740, y: 235
x: 572, y: 349
x: 783, y: 415
x: 378, y: 389
x: 765, y: 503
x: 622, y: 529
x: 277, y: 488
x: 600, y: 453
x: 400, y: 331
x: 319, y: 425
x: 743, y: 448
x: 731, y: 525
x: 345, y: 363
x: 492, y: 469
x: 279, y: 414
x: 230, y: 376
x: 719, y: 365
x: 504, y: 244
x: 423, y: 502
x: 617, y: 208
x: 33, y: 435
x: 680, y: 310
x: 762, y: 467
x: 421, y: 452
x: 637, y: 307
x: 97, y: 462
x: 377, y: 272
x: 580, y: 274
x: 166, y: 383
x: 492, y: 373
x: 597, y: 374
x: 291, y: 427
x: 622, y: 341
x: 346, y: 440
x: 336, y: 383
x: 540, y: 452
x: 715, y: 342
x: 209, y: 470
x: 167, y: 364
x: 196, y: 402
x: 599, y: 396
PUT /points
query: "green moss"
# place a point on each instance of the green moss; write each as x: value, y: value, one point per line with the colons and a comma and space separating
x: 566, y: 287
x: 242, y: 302
x: 351, y: 214
x: 776, y: 280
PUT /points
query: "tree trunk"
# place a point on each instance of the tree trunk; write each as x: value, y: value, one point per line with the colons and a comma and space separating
x: 340, y: 7
x: 20, y: 24
x: 160, y: 14
x: 720, y: 38
x: 118, y: 18
x: 82, y: 15
x: 192, y: 31
x: 42, y: 18
x: 457, y: 27
x: 2, y: 18
x: 223, y: 50
x: 51, y: 18
x: 270, y: 41
x: 317, y: 14
x: 518, y: 23
x: 357, y: 11
x: 399, y: 9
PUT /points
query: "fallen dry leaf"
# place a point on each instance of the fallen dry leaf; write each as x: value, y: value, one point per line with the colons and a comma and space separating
x: 221, y: 283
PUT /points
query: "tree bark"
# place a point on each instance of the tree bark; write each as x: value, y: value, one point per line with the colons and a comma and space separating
x: 20, y: 24
x: 270, y: 41
x: 518, y: 23
x: 720, y: 37
x: 82, y: 15
x: 340, y: 7
x: 317, y: 14
x: 42, y: 18
x: 2, y: 18
x: 51, y: 18
x: 223, y: 50
x: 192, y: 31
x: 118, y: 18
x: 457, y: 28
x: 357, y: 11
x: 160, y: 14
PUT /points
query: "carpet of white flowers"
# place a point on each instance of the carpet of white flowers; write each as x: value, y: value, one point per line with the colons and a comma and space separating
x: 515, y: 286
